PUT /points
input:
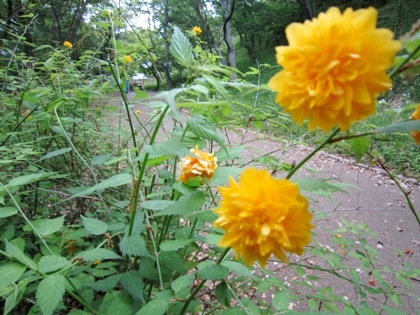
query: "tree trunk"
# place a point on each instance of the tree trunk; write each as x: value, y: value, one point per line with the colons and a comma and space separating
x: 228, y: 9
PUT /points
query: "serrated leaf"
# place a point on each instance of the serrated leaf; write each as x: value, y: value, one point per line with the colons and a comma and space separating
x: 181, y: 48
x: 157, y: 204
x: 132, y: 282
x: 27, y: 179
x: 182, y: 282
x: 237, y: 267
x: 94, y: 226
x: 403, y: 126
x: 280, y: 301
x: 213, y: 272
x: 134, y: 246
x: 155, y: 307
x: 217, y: 85
x: 116, y: 303
x: 98, y: 254
x: 55, y: 153
x: 19, y: 255
x: 106, y: 284
x: 14, y: 298
x: 223, y: 294
x: 101, y: 159
x: 52, y: 263
x: 49, y: 226
x: 174, y: 245
x: 114, y: 181
x: 7, y: 212
x: 10, y: 273
x: 320, y: 187
x: 222, y: 174
x: 199, y: 125
x: 185, y: 205
x: 359, y: 146
x: 200, y: 88
x: 50, y: 292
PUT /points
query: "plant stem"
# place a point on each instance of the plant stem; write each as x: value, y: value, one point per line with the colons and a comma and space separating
x: 396, y: 181
x: 200, y: 285
x: 402, y: 64
x: 310, y: 155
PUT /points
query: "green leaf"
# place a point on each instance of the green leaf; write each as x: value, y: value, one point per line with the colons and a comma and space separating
x: 18, y: 254
x: 392, y: 311
x: 182, y: 282
x: 157, y: 204
x: 50, y: 292
x: 116, y: 303
x: 55, y: 153
x: 403, y: 126
x: 217, y: 85
x: 359, y: 146
x: 52, y: 263
x: 181, y: 48
x: 132, y: 282
x: 155, y: 307
x: 134, y: 245
x: 27, y: 179
x: 114, y: 181
x: 98, y: 254
x: 238, y: 268
x: 7, y: 212
x: 320, y: 186
x: 101, y: 159
x: 199, y: 125
x: 10, y: 273
x: 280, y: 301
x: 170, y: 147
x: 223, y: 294
x: 174, y: 245
x: 106, y: 284
x: 185, y: 205
x: 213, y: 272
x: 14, y: 298
x: 94, y: 226
x: 49, y: 226
x: 49, y: 63
x: 222, y: 174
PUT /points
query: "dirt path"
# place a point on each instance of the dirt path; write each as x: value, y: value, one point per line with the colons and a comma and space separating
x: 371, y: 198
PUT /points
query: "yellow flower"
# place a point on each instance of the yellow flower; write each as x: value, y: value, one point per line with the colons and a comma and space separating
x: 138, y: 112
x: 108, y: 12
x: 202, y: 164
x: 416, y: 133
x: 128, y: 59
x: 67, y: 44
x: 334, y: 68
x: 263, y: 215
x: 197, y: 30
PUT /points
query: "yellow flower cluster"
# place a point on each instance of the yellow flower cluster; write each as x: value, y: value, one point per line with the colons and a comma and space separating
x: 197, y: 30
x: 201, y: 165
x: 128, y: 59
x: 68, y: 44
x: 261, y: 216
x: 334, y: 68
x: 416, y: 133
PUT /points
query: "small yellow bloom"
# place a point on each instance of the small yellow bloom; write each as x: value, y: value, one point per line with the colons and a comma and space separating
x: 334, y: 68
x: 416, y: 133
x: 261, y: 216
x: 67, y: 44
x: 339, y: 235
x: 97, y: 262
x: 108, y: 12
x: 128, y: 59
x: 197, y: 30
x: 138, y: 112
x: 202, y: 164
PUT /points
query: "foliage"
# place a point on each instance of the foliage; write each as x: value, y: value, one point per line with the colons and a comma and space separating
x: 94, y: 219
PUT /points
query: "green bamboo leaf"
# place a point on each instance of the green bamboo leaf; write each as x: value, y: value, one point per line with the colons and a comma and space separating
x: 50, y: 292
x: 27, y: 179
x: 402, y: 126
x: 114, y: 181
x: 202, y: 128
x: 185, y: 205
x: 55, y: 153
x: 155, y: 307
x: 181, y: 48
x: 51, y: 263
x: 10, y: 273
x: 94, y: 226
x: 213, y: 272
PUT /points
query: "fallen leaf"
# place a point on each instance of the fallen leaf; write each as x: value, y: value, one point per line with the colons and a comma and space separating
x: 408, y: 251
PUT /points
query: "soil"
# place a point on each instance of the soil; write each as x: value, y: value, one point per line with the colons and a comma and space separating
x: 370, y: 199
